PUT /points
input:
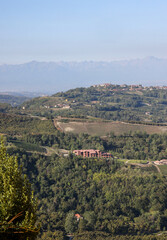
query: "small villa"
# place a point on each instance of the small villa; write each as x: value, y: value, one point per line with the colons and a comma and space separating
x: 89, y: 153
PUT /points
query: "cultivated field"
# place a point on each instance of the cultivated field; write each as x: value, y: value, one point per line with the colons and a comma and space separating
x: 163, y: 169
x: 102, y: 128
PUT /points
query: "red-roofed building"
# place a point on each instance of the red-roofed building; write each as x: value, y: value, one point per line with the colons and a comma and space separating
x: 92, y: 153
x: 78, y: 216
x: 161, y: 162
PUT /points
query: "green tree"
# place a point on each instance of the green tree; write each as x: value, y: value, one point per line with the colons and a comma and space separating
x: 70, y: 223
x: 90, y: 219
x: 82, y: 225
x: 17, y: 204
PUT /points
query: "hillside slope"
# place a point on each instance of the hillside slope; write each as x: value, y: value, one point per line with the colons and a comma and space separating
x: 108, y: 101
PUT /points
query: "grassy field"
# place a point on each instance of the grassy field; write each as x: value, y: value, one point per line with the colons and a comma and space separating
x: 28, y: 146
x: 163, y: 169
x: 137, y: 161
x: 102, y: 128
x: 15, y: 124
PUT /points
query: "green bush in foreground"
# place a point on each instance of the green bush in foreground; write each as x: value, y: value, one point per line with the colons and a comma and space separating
x: 17, y: 204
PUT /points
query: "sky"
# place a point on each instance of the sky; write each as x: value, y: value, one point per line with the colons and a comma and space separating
x: 82, y: 30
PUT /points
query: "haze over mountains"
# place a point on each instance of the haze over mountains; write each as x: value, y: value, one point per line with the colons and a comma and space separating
x: 60, y: 76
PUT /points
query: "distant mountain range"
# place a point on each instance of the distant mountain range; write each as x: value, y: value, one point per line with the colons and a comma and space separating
x: 60, y: 76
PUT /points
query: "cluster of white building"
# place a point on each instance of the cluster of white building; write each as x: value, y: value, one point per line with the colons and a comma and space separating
x: 161, y: 162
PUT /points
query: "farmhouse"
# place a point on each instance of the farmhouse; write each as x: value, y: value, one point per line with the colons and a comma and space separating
x: 161, y: 162
x: 92, y: 153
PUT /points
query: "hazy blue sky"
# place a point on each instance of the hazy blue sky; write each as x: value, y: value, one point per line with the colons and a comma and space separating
x: 78, y: 30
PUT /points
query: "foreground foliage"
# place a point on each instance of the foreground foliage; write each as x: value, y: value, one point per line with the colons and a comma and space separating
x: 17, y: 204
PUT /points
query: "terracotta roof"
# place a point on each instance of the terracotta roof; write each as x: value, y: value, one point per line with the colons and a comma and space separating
x: 87, y: 150
x: 77, y: 215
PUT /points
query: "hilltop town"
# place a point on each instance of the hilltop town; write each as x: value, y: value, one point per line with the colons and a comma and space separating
x: 125, y: 87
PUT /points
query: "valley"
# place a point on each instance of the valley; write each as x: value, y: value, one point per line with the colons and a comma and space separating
x: 119, y: 197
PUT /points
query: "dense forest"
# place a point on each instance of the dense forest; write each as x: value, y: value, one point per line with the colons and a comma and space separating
x: 135, y: 145
x: 110, y: 197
